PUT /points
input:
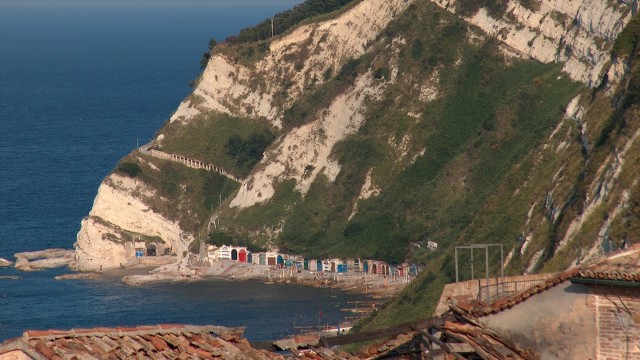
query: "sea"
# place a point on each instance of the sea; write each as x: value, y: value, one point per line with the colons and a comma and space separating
x: 82, y: 82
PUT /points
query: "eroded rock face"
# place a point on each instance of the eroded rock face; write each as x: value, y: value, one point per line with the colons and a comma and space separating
x: 299, y: 59
x: 304, y: 152
x: 577, y: 32
x: 43, y: 259
x: 119, y: 206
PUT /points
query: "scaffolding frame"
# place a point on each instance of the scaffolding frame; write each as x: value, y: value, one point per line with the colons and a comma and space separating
x: 486, y: 254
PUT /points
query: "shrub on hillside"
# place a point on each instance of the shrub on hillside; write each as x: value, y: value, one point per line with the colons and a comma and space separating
x: 250, y: 150
x: 129, y: 169
x: 287, y: 19
x: 627, y: 42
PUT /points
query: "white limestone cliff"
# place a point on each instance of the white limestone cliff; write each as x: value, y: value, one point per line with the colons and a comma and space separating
x: 305, y: 151
x: 119, y: 206
x: 319, y: 47
x: 576, y: 32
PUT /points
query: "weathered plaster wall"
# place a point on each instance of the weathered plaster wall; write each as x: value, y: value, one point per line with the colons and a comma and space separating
x: 557, y: 323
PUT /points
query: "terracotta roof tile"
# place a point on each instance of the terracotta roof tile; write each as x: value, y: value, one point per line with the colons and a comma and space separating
x: 623, y: 265
x: 165, y: 341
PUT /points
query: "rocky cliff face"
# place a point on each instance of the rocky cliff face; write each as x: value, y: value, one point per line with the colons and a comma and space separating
x: 118, y: 217
x: 577, y: 33
x: 400, y: 122
x: 254, y: 91
x: 294, y: 64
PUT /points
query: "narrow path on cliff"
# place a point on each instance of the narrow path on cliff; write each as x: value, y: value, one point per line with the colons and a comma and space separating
x: 189, y: 162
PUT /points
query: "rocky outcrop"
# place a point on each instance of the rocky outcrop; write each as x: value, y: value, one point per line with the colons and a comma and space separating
x: 119, y: 210
x: 576, y: 32
x: 305, y: 152
x: 43, y: 259
x: 295, y: 63
x: 5, y: 262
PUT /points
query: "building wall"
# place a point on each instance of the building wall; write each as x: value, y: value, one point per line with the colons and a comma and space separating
x: 618, y: 322
x: 558, y: 323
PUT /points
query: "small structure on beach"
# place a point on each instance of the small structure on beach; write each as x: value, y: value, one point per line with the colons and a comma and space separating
x: 142, y: 248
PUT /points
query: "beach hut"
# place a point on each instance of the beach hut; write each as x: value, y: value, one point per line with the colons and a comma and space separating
x: 385, y: 269
x: 262, y: 258
x: 374, y: 268
x: 288, y: 263
x: 280, y: 261
x: 413, y: 270
x: 305, y: 264
x: 326, y: 266
x: 250, y: 258
x: 365, y: 266
x: 242, y: 255
x: 342, y: 268
x: 225, y: 252
x: 319, y: 265
x: 139, y: 248
x: 354, y: 265
x: 234, y: 254
x: 272, y: 259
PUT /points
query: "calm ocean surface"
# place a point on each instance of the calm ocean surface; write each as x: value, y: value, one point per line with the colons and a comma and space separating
x: 79, y: 84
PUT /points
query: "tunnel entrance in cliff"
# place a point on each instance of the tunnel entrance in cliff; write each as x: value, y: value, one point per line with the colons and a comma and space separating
x: 151, y: 250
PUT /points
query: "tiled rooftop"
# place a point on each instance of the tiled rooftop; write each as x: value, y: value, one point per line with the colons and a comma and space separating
x: 142, y: 342
x: 624, y: 266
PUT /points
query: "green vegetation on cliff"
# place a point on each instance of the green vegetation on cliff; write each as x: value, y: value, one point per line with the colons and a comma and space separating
x: 235, y: 144
x: 489, y: 115
x: 181, y: 194
x: 287, y: 19
x: 465, y: 144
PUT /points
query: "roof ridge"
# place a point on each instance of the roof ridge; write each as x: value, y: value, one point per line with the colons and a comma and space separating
x: 128, y: 331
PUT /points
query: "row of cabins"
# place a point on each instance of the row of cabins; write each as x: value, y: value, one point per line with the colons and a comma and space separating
x: 241, y: 254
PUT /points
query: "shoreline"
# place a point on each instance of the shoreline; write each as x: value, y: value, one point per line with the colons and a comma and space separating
x: 373, y: 285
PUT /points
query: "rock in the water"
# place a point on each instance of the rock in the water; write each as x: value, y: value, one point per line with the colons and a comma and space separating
x: 137, y: 280
x: 43, y: 259
x: 77, y: 276
x: 44, y: 254
x: 5, y: 262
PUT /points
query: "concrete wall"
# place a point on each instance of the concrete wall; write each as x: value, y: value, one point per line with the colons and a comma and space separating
x: 471, y: 288
x: 558, y: 323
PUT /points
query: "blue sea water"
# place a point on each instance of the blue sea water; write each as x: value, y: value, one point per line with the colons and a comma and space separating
x: 81, y: 83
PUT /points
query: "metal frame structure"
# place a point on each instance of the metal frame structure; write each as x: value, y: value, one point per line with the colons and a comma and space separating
x: 486, y: 254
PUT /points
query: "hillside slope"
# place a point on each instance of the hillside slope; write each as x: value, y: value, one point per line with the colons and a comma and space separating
x: 386, y: 124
